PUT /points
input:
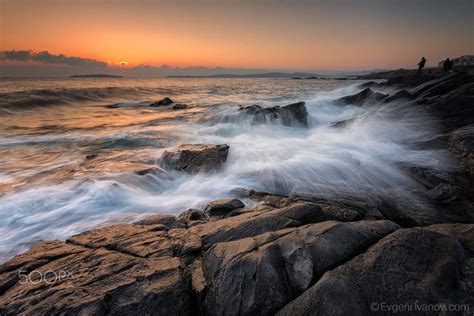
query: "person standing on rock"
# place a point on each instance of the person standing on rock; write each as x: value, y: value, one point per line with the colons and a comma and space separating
x: 421, y: 64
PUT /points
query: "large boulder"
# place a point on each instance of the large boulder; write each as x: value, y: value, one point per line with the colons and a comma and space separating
x: 364, y: 97
x: 414, y: 267
x: 193, y: 158
x: 259, y: 275
x: 294, y: 114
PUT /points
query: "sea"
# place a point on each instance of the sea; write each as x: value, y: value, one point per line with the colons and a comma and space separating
x: 71, y: 149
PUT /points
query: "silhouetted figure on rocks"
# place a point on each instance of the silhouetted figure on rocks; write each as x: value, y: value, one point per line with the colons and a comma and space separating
x: 421, y: 64
x: 447, y: 65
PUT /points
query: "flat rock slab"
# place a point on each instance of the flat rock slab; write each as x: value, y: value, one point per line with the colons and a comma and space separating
x: 74, y: 280
x: 193, y: 158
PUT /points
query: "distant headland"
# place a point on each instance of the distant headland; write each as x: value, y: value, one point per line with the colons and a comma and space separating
x: 95, y: 76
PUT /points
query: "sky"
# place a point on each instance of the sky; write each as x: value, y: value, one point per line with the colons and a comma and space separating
x: 144, y: 37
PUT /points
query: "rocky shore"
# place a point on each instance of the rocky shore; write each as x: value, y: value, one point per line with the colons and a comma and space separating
x: 262, y: 254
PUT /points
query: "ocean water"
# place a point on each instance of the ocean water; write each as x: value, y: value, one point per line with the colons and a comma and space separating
x: 68, y: 162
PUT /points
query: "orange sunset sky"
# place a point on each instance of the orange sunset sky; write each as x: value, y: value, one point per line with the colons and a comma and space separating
x: 282, y: 35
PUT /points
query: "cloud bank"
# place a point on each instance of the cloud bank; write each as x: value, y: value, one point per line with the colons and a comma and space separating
x: 26, y: 63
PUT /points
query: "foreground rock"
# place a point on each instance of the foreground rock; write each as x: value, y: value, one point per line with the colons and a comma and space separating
x: 283, y: 254
x: 71, y: 280
x: 433, y: 265
x: 294, y: 114
x: 259, y: 275
x: 193, y: 158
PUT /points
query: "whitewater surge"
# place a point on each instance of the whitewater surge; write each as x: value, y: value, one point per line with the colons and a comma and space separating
x: 69, y: 168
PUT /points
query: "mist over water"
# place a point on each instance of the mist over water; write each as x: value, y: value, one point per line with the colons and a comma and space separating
x: 68, y: 163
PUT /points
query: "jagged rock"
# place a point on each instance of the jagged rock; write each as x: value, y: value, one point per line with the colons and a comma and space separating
x: 222, y: 207
x: 179, y: 106
x: 402, y: 94
x: 193, y: 158
x: 294, y: 114
x: 162, y: 102
x: 432, y: 265
x: 258, y: 275
x: 74, y: 280
x: 366, y: 96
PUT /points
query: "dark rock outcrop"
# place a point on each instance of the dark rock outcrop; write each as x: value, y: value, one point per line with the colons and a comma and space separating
x: 194, y: 158
x: 162, y: 102
x: 294, y: 114
x: 432, y: 265
x: 365, y: 97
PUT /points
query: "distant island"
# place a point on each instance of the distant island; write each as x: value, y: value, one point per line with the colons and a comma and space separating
x: 95, y: 76
x: 259, y: 75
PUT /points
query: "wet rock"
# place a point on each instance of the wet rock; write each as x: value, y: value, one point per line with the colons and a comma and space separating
x: 193, y: 158
x: 461, y: 142
x: 342, y: 124
x: 179, y: 106
x: 429, y: 265
x: 75, y: 280
x: 191, y: 214
x: 294, y: 114
x: 402, y: 94
x: 222, y: 207
x: 151, y: 171
x: 162, y: 102
x: 366, y: 96
x: 258, y: 275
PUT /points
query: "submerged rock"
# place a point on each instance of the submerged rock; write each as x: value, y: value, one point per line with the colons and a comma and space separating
x: 193, y: 158
x: 366, y: 96
x: 294, y: 114
x: 162, y: 102
x: 179, y: 106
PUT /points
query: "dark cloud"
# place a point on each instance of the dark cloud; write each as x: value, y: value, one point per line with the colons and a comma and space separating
x: 48, y: 58
x: 17, y: 55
